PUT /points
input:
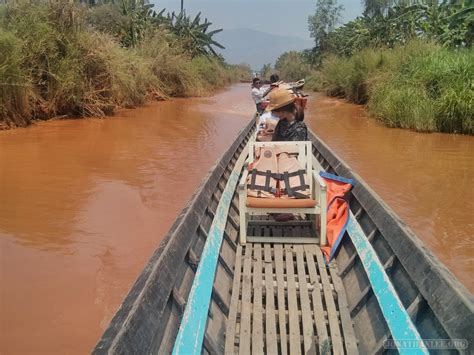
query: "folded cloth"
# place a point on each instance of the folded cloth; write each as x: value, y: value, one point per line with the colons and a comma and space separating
x: 337, y: 212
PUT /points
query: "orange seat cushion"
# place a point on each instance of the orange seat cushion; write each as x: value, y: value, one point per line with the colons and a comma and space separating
x: 257, y: 202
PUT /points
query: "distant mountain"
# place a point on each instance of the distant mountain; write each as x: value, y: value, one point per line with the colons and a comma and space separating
x: 257, y: 48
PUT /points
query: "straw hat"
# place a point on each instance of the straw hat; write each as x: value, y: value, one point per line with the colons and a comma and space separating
x: 279, y: 98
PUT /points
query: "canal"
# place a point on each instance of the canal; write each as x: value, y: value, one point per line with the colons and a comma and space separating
x: 83, y: 203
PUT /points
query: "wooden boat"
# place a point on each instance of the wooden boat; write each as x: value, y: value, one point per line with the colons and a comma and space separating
x: 274, y: 298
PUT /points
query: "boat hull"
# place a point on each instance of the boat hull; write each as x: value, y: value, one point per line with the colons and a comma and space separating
x: 149, y: 318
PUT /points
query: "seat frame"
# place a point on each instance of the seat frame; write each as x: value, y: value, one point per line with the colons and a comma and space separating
x: 317, y: 188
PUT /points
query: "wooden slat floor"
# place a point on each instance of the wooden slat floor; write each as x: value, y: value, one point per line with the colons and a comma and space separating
x: 266, y: 226
x: 285, y: 301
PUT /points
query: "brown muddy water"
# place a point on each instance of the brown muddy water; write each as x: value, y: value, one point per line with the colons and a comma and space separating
x: 427, y: 179
x: 83, y: 203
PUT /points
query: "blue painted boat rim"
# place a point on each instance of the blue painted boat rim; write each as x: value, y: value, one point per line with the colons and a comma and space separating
x: 398, y: 321
x: 440, y: 288
x: 337, y: 178
x: 193, y: 324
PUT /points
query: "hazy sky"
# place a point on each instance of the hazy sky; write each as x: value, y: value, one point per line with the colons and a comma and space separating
x: 282, y: 17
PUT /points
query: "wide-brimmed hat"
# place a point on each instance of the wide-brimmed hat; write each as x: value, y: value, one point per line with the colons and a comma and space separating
x: 278, y: 98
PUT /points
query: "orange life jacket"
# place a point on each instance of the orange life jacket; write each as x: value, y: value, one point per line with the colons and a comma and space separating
x: 337, y: 211
x: 292, y: 177
x: 261, y: 182
x: 277, y: 173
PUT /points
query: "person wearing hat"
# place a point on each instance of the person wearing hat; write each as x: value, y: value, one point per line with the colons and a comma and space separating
x: 290, y: 126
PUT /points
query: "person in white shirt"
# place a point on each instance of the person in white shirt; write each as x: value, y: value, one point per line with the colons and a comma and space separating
x: 258, y: 94
x: 266, y: 126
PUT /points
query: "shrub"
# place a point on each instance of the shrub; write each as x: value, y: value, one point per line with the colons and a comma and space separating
x: 421, y: 85
x: 63, y: 59
x: 291, y: 66
x: 432, y: 91
x: 15, y: 88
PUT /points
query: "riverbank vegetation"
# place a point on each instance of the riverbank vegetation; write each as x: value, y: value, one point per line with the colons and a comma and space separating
x: 65, y: 59
x: 411, y: 62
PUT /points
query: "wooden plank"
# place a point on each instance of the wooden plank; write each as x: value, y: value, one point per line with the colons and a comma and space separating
x: 257, y: 324
x: 350, y: 341
x: 193, y: 324
x: 276, y: 223
x: 295, y: 345
x: 368, y: 291
x: 318, y: 310
x: 270, y: 326
x: 398, y: 321
x: 234, y: 301
x: 413, y: 309
x: 304, y: 299
x: 245, y: 313
x: 281, y: 298
x: 277, y: 232
x: 335, y: 332
x: 297, y: 284
x: 297, y: 231
x: 283, y: 240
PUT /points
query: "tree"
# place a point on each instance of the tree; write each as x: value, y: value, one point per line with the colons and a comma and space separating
x: 323, y: 22
x: 266, y: 71
x: 291, y: 66
x: 132, y: 16
x: 376, y: 7
x: 194, y: 34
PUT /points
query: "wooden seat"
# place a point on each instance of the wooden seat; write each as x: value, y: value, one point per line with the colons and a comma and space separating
x: 257, y: 202
x: 255, y: 206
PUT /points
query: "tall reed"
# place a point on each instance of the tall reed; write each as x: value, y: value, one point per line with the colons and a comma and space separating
x: 420, y: 86
x: 58, y: 59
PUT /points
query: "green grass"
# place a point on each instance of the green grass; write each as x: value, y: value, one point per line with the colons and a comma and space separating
x: 15, y: 88
x: 420, y: 86
x: 54, y: 62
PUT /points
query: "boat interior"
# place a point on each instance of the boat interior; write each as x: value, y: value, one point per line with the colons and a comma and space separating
x: 274, y: 297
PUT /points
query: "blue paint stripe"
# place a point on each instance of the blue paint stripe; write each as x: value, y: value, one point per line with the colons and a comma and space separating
x: 339, y: 238
x: 193, y: 325
x: 398, y: 321
x: 336, y: 177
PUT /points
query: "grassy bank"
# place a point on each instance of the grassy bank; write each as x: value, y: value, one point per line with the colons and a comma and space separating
x: 420, y: 86
x: 56, y: 59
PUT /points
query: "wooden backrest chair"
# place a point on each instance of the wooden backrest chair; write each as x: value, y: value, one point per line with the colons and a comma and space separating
x: 256, y: 206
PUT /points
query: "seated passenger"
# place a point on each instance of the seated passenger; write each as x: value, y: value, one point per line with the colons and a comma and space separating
x: 290, y: 126
x: 266, y: 127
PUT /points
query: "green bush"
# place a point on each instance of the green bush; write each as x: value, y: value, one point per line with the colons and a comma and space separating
x: 63, y: 59
x: 431, y: 92
x: 209, y: 71
x: 292, y: 67
x: 15, y: 88
x: 314, y: 81
x: 420, y: 86
x: 170, y: 65
x: 351, y: 77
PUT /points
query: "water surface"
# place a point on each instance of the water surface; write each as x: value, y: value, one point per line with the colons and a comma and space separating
x: 84, y: 203
x: 427, y: 179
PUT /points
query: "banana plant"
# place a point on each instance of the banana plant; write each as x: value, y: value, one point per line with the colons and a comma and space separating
x: 137, y: 15
x: 195, y: 35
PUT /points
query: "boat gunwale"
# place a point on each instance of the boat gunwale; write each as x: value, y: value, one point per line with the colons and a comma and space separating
x: 436, y: 284
x: 129, y: 308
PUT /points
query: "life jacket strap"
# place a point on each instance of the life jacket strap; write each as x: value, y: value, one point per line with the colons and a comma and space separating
x: 292, y: 191
x: 268, y: 175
